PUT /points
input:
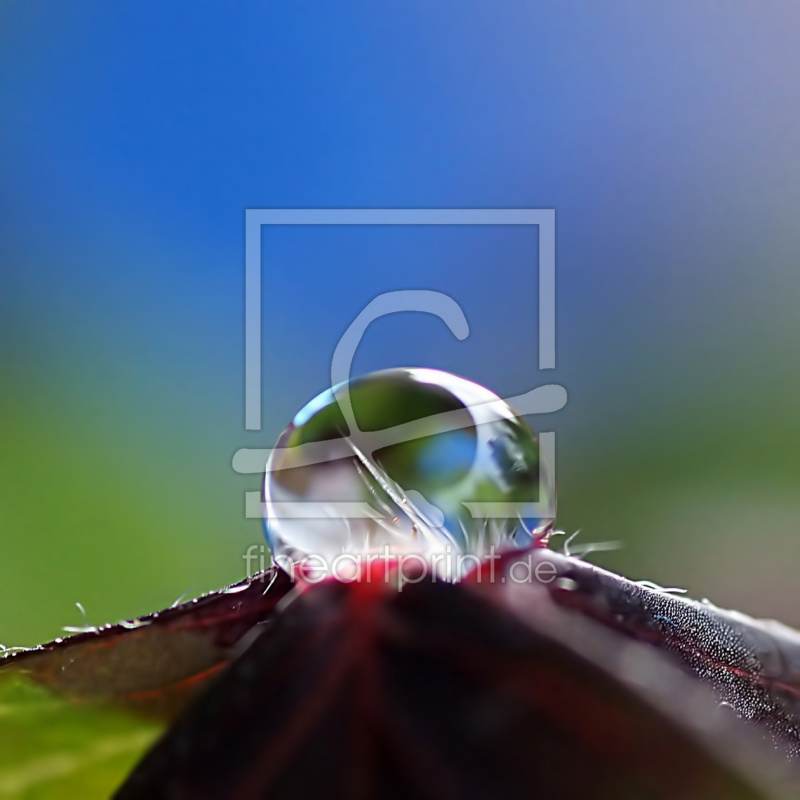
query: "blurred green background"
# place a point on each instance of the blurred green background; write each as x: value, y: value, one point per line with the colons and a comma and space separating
x: 134, y: 135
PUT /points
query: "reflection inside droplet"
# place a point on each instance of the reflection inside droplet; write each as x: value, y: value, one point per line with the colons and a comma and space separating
x: 406, y: 461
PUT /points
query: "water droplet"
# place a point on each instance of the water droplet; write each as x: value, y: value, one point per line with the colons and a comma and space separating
x: 405, y: 461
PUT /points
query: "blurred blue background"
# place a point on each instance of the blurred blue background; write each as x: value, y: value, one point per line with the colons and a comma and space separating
x: 134, y: 135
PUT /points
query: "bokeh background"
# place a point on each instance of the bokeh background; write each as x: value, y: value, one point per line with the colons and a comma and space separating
x: 134, y: 135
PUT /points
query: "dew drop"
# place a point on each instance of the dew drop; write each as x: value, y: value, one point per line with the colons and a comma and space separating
x: 406, y: 461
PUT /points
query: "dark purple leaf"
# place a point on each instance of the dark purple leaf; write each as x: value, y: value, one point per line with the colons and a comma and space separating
x: 753, y: 666
x: 157, y: 663
x: 462, y: 691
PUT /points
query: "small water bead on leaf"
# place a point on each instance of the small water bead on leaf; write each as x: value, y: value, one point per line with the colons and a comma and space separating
x: 406, y: 461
